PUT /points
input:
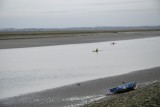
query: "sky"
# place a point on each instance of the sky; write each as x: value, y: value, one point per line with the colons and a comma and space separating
x: 78, y: 13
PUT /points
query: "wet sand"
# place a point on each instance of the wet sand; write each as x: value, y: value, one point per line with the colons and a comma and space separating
x: 48, y: 40
x: 79, y: 93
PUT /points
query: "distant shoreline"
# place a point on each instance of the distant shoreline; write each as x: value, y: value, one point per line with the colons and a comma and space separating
x: 29, y: 34
x: 37, y: 40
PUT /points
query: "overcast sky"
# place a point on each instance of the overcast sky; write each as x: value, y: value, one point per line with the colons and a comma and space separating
x: 78, y: 13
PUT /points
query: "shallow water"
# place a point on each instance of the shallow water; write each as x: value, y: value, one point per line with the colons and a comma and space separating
x: 25, y: 70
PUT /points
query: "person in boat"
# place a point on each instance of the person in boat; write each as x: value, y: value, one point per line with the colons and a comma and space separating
x: 97, y: 50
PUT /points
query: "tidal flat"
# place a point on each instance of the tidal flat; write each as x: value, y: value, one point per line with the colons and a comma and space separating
x: 63, y: 71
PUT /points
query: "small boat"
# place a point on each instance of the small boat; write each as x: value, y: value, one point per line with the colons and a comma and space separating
x: 113, y: 43
x: 123, y: 88
x: 95, y: 50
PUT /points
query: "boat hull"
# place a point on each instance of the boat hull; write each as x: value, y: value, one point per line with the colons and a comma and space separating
x: 123, y: 88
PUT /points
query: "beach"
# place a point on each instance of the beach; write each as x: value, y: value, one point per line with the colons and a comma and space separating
x: 79, y: 93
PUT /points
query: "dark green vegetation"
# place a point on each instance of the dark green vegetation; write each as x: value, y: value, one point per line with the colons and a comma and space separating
x: 146, y: 96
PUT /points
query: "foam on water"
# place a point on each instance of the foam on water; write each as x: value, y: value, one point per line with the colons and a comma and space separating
x: 25, y: 70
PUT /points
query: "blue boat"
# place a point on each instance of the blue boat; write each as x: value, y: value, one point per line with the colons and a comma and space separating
x: 123, y: 88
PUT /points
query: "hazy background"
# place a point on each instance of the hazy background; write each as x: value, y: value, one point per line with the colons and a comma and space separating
x: 78, y: 13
